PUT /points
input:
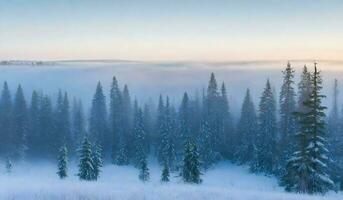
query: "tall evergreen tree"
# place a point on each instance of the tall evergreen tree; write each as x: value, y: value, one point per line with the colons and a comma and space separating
x: 191, y: 165
x: 78, y: 122
x: 33, y: 135
x: 267, y: 135
x: 127, y: 121
x: 6, y: 122
x: 98, y: 119
x: 246, y: 130
x: 287, y: 119
x: 304, y: 89
x: 167, y: 152
x: 20, y: 124
x: 139, y: 136
x: 62, y: 163
x: 115, y: 116
x: 144, y: 174
x: 308, y: 165
x: 208, y: 155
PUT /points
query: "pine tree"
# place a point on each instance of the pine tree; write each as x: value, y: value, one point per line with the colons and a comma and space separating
x: 33, y: 133
x: 46, y: 138
x: 167, y: 152
x: 78, y: 122
x: 115, y: 116
x: 287, y: 119
x: 127, y: 121
x: 8, y: 165
x: 208, y: 155
x: 226, y: 134
x: 20, y: 124
x: 191, y: 165
x: 97, y: 161
x: 6, y: 122
x: 62, y: 162
x: 308, y: 165
x: 267, y: 135
x: 144, y: 174
x: 86, y: 165
x: 165, y: 174
x: 98, y: 119
x: 246, y: 130
x: 139, y: 136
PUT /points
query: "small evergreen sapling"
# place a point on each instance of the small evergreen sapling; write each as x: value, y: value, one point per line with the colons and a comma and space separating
x: 62, y: 162
x: 165, y: 174
x: 144, y: 174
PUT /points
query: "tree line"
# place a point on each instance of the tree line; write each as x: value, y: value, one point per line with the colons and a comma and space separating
x: 290, y: 137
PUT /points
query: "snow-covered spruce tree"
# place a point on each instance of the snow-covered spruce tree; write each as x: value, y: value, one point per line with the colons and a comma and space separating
x: 8, y: 165
x: 208, y: 155
x: 98, y: 120
x: 287, y: 122
x: 165, y: 174
x: 304, y: 89
x: 139, y: 136
x: 115, y: 117
x: 62, y: 164
x: 45, y: 143
x: 6, y: 147
x: 144, y: 174
x: 267, y: 133
x: 148, y: 126
x: 97, y: 161
x: 86, y: 165
x: 20, y: 124
x: 191, y: 166
x: 307, y: 168
x: 246, y: 132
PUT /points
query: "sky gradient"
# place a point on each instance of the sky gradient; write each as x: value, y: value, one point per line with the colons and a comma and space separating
x: 171, y: 30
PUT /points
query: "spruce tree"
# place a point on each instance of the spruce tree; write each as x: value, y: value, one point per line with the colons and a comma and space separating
x: 287, y: 119
x: 267, y: 135
x: 86, y: 164
x: 122, y: 154
x: 191, y: 165
x: 226, y: 134
x: 307, y: 170
x: 126, y: 122
x: 165, y: 174
x: 97, y: 161
x: 139, y: 136
x: 6, y: 122
x: 20, y: 124
x: 115, y: 115
x: 98, y: 120
x: 33, y: 132
x: 246, y: 130
x: 62, y: 163
x: 78, y: 122
x: 46, y: 138
x: 208, y: 155
x: 144, y: 174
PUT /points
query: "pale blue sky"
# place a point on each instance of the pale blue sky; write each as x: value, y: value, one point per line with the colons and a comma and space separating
x: 171, y: 29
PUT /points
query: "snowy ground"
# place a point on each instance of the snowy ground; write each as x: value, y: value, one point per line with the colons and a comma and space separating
x: 226, y: 181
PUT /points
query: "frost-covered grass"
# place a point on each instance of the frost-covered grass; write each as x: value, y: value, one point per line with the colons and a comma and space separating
x: 226, y: 181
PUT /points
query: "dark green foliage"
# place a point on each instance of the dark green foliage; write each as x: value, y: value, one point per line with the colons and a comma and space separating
x: 246, y: 132
x: 165, y: 174
x: 191, y: 166
x: 86, y: 165
x: 62, y: 163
